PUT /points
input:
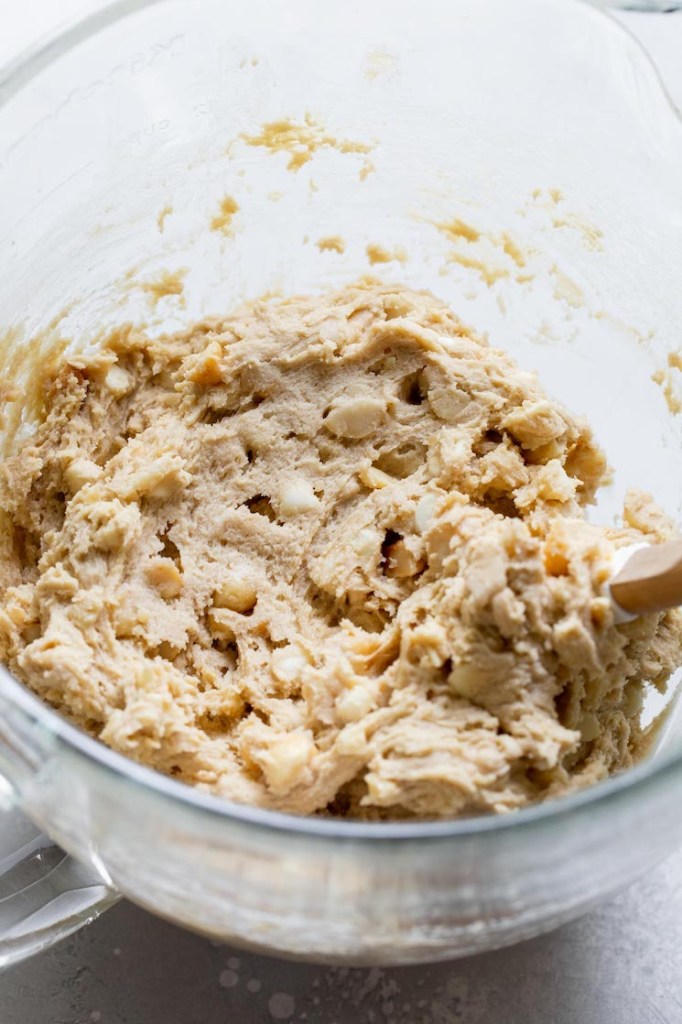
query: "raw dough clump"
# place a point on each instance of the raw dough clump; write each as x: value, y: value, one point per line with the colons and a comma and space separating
x: 327, y: 555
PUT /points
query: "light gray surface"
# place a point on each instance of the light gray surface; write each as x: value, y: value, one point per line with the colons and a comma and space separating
x: 619, y: 965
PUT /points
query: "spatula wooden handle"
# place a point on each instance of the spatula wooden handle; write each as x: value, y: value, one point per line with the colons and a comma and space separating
x: 651, y: 579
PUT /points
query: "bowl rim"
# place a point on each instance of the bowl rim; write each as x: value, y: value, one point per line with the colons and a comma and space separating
x: 15, y: 74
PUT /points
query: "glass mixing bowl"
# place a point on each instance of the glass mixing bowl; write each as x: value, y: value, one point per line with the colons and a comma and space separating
x: 541, y: 127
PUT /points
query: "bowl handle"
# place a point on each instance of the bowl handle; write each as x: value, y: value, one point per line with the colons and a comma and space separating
x: 45, y: 894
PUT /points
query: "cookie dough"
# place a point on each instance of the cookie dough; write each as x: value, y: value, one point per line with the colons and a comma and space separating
x: 327, y: 555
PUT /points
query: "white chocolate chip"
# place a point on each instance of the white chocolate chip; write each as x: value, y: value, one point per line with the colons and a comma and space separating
x: 284, y: 764
x: 425, y: 511
x: 288, y: 663
x: 366, y: 542
x: 354, y: 704
x: 297, y: 496
x: 117, y: 380
x: 113, y: 523
x: 352, y: 741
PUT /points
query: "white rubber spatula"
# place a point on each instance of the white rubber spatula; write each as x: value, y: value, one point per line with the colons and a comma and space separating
x: 647, y: 578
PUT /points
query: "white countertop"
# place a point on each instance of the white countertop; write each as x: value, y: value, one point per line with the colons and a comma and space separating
x: 619, y: 965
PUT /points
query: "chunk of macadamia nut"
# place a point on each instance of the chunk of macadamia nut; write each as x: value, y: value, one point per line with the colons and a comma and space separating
x: 164, y: 575
x: 450, y: 404
x: 206, y: 368
x: 534, y: 424
x: 220, y: 626
x: 160, y: 479
x: 237, y: 594
x: 374, y: 478
x: 167, y: 484
x: 356, y: 418
x: 401, y: 562
x: 80, y: 472
x: 113, y: 523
